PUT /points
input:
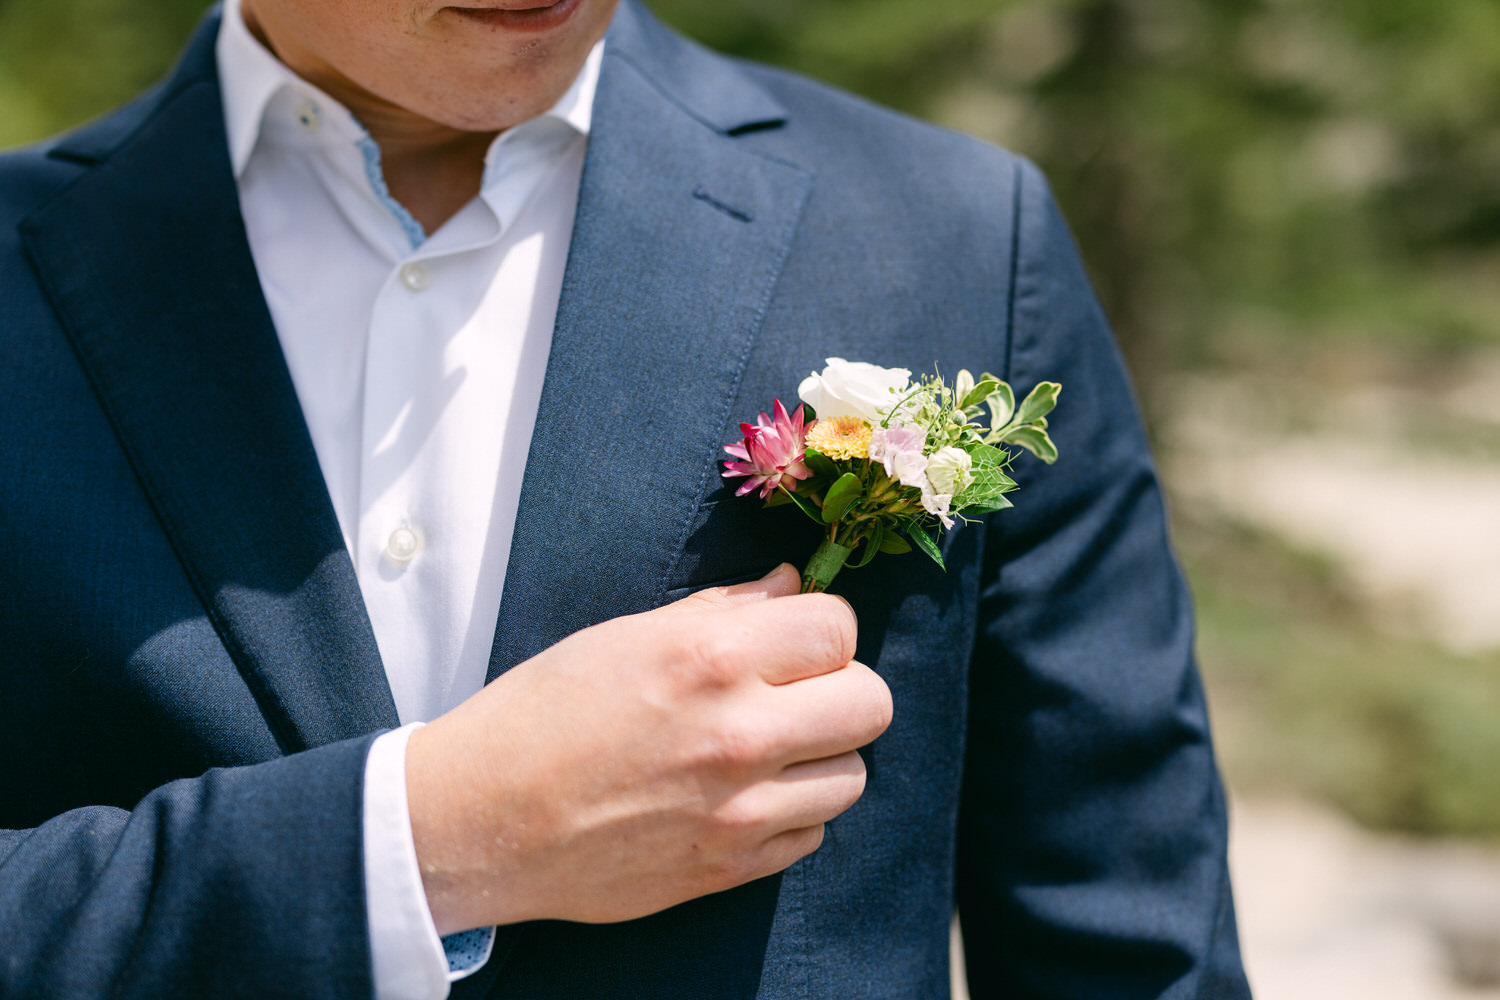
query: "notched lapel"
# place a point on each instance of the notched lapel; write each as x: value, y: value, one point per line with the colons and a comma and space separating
x: 146, y: 261
x: 680, y: 237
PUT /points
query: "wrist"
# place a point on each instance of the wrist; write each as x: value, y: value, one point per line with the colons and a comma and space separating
x: 457, y: 848
x: 432, y: 830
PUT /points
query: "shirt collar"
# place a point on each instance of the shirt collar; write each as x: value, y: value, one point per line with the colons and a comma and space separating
x: 252, y: 80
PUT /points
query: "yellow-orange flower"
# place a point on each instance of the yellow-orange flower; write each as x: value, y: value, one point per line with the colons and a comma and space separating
x: 840, y: 437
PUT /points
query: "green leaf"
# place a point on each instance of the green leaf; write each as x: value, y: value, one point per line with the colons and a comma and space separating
x: 1034, y: 440
x: 844, y: 491
x: 986, y: 506
x: 924, y: 542
x: 962, y: 383
x: 1038, y: 403
x: 1002, y: 403
x: 989, y: 475
x: 778, y: 498
x: 821, y: 465
x: 979, y: 393
x: 893, y: 544
x: 872, y: 546
x: 987, y: 456
x: 806, y: 507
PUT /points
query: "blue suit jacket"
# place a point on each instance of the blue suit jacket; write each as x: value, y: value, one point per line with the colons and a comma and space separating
x: 188, y: 680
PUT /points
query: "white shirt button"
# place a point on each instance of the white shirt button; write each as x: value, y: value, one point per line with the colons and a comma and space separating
x: 308, y: 117
x: 415, y: 276
x: 402, y: 545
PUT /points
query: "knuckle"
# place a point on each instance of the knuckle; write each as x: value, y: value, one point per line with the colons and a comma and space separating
x: 810, y: 841
x: 738, y: 817
x: 777, y: 854
x: 736, y: 868
x: 738, y: 746
x: 702, y: 659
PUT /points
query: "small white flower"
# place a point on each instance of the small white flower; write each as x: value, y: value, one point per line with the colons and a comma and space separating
x: 937, y: 503
x: 947, y: 476
x: 948, y: 470
x: 854, y: 389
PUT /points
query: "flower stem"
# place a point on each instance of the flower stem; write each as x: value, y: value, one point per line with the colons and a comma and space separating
x: 824, y: 565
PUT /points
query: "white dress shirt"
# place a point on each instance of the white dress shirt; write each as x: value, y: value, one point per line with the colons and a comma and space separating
x: 418, y: 362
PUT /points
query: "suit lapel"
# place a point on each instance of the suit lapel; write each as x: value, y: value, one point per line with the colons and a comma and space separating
x: 146, y: 261
x: 680, y: 236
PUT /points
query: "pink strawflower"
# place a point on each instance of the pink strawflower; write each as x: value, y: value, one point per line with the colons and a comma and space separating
x: 773, y: 448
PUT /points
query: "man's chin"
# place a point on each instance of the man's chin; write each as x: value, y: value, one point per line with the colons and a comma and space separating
x: 490, y: 116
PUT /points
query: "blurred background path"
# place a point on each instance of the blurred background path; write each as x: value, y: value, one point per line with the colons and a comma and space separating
x: 1328, y: 910
x: 1343, y: 530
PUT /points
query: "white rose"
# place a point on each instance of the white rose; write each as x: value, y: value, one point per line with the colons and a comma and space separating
x: 948, y: 470
x: 854, y: 389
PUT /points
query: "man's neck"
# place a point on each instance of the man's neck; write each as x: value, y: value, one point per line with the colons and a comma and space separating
x: 432, y: 169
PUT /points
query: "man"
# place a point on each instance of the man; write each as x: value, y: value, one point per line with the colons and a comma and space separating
x: 383, y: 352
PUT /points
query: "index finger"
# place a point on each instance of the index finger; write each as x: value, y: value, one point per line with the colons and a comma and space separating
x: 791, y: 638
x: 783, y: 581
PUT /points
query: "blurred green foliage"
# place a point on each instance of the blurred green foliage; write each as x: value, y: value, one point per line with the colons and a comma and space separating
x: 64, y: 61
x: 1243, y: 175
x: 1307, y: 697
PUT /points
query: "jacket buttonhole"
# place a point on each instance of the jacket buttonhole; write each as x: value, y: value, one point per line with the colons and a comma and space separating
x: 734, y: 213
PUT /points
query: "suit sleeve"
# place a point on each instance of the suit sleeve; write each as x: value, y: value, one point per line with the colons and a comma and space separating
x: 1092, y: 827
x: 245, y: 882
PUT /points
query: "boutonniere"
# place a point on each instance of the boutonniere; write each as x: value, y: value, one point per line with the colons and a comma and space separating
x: 885, y: 463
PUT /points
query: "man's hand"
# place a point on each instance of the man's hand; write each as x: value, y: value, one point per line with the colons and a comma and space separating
x: 647, y: 760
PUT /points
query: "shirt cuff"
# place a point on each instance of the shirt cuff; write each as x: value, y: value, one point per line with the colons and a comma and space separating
x: 410, y: 961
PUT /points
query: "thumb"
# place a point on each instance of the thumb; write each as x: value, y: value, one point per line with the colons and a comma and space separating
x: 783, y: 581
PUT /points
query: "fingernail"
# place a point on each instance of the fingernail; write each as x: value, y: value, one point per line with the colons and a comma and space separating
x: 778, y: 569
